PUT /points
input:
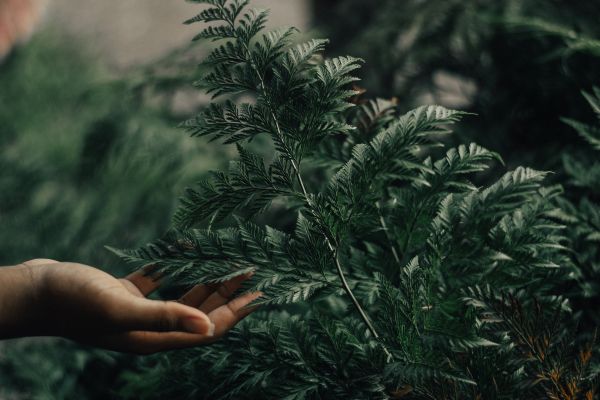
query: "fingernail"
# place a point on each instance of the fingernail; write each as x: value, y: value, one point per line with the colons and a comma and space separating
x: 199, y: 325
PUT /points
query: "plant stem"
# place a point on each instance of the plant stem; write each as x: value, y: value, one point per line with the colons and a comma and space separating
x: 330, y: 245
x: 387, y: 234
x: 338, y: 265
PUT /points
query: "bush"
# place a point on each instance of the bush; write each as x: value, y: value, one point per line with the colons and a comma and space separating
x: 392, y: 275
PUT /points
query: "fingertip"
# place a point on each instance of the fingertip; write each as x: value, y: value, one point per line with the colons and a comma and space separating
x: 194, y: 320
x: 243, y: 303
x: 198, y: 325
x: 147, y: 279
x: 240, y: 278
x: 255, y: 295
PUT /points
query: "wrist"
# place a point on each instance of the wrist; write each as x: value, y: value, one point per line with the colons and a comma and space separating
x: 21, y: 305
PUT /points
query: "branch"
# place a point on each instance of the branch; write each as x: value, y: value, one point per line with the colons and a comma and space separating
x: 296, y: 167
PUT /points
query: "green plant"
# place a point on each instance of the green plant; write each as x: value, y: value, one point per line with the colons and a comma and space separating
x: 81, y: 156
x: 581, y: 212
x: 518, y: 64
x: 397, y: 276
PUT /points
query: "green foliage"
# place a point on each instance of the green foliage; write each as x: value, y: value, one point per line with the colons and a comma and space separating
x: 46, y: 369
x: 548, y: 362
x: 581, y: 211
x: 518, y: 64
x: 74, y: 140
x: 81, y: 155
x: 401, y: 275
x: 573, y: 41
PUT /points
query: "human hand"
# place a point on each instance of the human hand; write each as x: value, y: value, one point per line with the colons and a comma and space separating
x: 90, y: 306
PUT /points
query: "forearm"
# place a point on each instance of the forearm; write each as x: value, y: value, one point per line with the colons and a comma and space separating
x: 20, y: 310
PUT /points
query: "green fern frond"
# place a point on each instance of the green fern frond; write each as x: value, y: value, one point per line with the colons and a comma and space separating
x: 373, y: 260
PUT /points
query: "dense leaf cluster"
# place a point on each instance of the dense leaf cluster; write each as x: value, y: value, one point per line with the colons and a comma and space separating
x: 399, y: 276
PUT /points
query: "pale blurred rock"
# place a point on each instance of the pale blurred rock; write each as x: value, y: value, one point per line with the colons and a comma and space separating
x: 129, y: 32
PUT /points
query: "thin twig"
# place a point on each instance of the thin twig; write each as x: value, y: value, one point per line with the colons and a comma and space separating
x: 387, y: 234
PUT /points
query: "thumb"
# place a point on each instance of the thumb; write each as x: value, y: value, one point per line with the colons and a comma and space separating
x: 153, y: 315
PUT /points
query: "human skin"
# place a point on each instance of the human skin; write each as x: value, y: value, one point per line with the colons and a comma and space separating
x: 49, y: 298
x: 18, y: 19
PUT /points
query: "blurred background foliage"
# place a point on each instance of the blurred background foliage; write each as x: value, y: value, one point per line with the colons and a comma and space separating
x: 518, y: 64
x: 84, y: 164
x: 82, y: 157
x: 90, y: 156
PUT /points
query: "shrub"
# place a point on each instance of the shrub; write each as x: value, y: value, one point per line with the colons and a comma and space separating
x: 391, y: 274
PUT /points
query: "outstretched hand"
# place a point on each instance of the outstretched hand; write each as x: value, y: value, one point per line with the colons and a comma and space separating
x: 90, y: 306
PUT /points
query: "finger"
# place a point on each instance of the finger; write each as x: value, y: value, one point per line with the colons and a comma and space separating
x: 223, y: 293
x: 144, y: 342
x: 145, y: 279
x: 226, y: 316
x: 140, y: 313
x: 40, y: 261
x: 198, y: 294
x: 131, y: 288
